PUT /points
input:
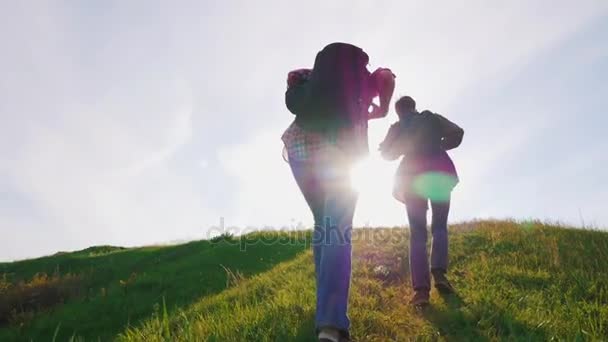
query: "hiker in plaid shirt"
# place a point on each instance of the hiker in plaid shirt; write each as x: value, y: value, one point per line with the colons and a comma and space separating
x: 351, y: 142
x: 320, y: 162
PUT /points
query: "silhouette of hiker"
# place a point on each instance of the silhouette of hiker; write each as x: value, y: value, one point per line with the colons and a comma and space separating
x: 426, y: 173
x: 332, y: 105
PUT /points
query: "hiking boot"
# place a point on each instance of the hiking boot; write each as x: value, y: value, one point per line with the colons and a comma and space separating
x: 420, y: 298
x: 442, y: 284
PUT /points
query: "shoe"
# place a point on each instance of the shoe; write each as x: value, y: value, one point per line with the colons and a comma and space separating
x: 442, y: 284
x: 333, y: 335
x: 420, y: 298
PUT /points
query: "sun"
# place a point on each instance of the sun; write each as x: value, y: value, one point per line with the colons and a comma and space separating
x: 372, y: 177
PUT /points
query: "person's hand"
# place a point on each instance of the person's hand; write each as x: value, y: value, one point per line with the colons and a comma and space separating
x: 385, y: 85
x: 377, y: 111
x: 384, y: 73
x: 297, y: 77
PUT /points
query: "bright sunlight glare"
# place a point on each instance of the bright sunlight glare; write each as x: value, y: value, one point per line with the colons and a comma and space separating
x: 372, y: 175
x: 373, y: 179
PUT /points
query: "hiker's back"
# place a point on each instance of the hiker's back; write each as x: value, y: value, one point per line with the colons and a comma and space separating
x: 425, y: 159
x: 422, y: 134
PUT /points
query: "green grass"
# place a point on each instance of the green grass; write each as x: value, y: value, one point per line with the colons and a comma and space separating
x: 515, y: 281
x: 125, y: 286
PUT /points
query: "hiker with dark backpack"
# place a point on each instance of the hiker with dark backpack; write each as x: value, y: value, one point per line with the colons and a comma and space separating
x: 426, y: 174
x: 332, y: 106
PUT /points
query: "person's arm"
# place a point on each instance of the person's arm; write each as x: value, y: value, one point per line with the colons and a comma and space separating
x: 384, y: 80
x: 451, y: 133
x: 296, y: 96
x: 387, y: 147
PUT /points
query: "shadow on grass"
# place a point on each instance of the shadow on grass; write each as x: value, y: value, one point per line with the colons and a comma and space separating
x: 450, y: 321
x: 306, y: 331
x: 528, y: 282
x: 124, y: 287
x: 461, y: 321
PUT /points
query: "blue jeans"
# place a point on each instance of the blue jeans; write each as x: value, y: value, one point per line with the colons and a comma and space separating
x: 419, y: 263
x: 326, y: 188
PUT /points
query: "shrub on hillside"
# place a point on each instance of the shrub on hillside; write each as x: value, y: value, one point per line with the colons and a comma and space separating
x: 20, y: 300
x: 100, y: 250
x: 227, y: 237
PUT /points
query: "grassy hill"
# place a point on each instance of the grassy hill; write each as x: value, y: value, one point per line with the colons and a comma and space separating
x: 517, y: 281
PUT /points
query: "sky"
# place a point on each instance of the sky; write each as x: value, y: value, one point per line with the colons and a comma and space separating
x: 133, y: 123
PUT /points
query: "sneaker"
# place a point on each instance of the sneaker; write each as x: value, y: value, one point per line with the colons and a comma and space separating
x: 329, y: 335
x: 333, y: 335
x: 420, y: 298
x: 442, y: 284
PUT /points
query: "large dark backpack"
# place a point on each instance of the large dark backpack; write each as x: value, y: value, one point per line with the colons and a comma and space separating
x: 336, y: 94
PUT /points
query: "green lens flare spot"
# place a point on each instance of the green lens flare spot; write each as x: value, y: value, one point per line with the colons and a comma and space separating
x: 435, y: 186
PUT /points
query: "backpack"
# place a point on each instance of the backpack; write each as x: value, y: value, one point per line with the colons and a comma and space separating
x: 336, y: 94
x: 423, y: 133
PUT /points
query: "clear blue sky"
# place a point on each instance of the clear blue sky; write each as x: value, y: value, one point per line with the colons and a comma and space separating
x: 132, y: 122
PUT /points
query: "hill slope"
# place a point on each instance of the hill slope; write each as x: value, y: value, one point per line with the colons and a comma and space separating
x: 120, y: 287
x: 517, y: 281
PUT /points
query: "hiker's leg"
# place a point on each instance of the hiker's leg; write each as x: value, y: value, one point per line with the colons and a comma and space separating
x: 335, y: 250
x: 439, y: 229
x: 306, y: 175
x: 419, y: 264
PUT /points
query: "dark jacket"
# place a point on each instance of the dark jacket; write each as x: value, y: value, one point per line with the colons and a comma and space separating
x: 426, y: 169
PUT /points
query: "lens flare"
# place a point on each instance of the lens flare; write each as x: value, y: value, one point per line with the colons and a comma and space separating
x: 435, y: 186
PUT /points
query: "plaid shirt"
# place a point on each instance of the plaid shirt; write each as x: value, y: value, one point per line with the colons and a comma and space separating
x: 302, y: 145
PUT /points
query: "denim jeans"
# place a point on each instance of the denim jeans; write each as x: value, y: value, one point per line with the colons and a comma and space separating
x: 326, y: 188
x: 419, y: 264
